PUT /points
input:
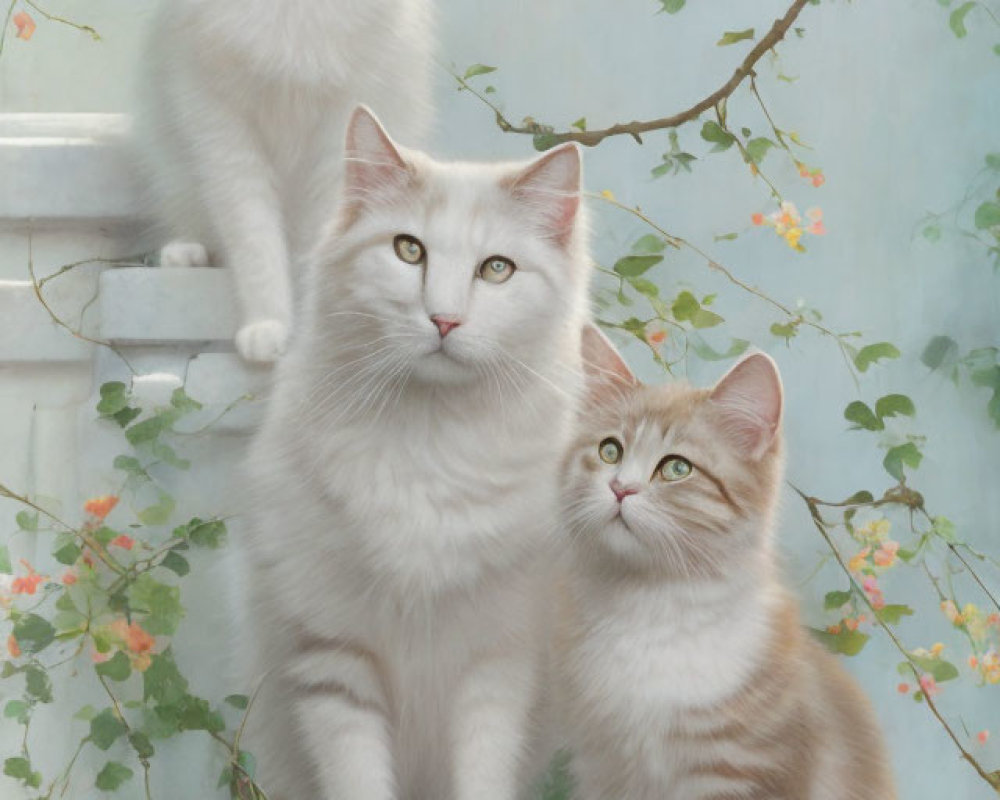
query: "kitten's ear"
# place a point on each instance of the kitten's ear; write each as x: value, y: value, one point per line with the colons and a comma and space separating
x: 605, y: 371
x: 372, y: 163
x: 749, y: 399
x: 551, y: 186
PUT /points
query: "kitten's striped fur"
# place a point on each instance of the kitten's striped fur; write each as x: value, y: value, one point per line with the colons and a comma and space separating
x: 685, y: 674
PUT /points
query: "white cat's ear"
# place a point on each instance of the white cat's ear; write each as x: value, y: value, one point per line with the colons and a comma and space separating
x: 605, y: 371
x: 372, y: 164
x: 749, y: 399
x: 551, y: 185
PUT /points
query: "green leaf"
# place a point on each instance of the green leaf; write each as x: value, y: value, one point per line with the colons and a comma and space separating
x: 644, y: 287
x: 987, y: 215
x: 685, y: 306
x: 725, y: 237
x: 161, y: 602
x: 114, y: 397
x: 106, y: 729
x: 27, y: 520
x: 672, y: 6
x: 182, y: 402
x: 87, y: 713
x: 634, y: 266
x: 650, y: 244
x: 246, y: 760
x: 893, y: 613
x: 732, y: 37
x: 945, y: 529
x: 941, y: 351
x: 894, y: 460
x: 892, y: 405
x: 757, y: 148
x: 5, y: 566
x: 706, y: 352
x: 478, y: 69
x: 37, y: 683
x: 703, y: 318
x: 786, y: 331
x: 957, y: 19
x: 993, y: 161
x: 112, y: 776
x: 872, y: 353
x: 145, y: 431
x: 125, y: 416
x: 713, y: 132
x: 117, y: 668
x: 580, y: 124
x: 836, y: 599
x: 192, y: 713
x: 167, y: 455
x: 862, y: 416
x: 176, y: 563
x: 847, y: 642
x: 162, y: 681
x: 939, y: 669
x: 210, y: 534
x: 17, y: 768
x: 931, y: 233
x: 141, y: 744
x: 158, y: 513
x: 14, y: 709
x: 33, y: 633
x: 240, y: 701
x: 104, y: 535
x: 65, y: 549
x: 129, y: 464
x: 863, y: 496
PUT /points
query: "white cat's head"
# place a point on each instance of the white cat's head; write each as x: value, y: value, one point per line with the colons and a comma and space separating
x: 452, y: 270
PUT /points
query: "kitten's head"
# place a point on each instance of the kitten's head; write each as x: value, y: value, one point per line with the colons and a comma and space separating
x: 455, y: 269
x: 673, y: 481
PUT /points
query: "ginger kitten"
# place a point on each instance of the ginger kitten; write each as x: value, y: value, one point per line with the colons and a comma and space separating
x: 685, y: 673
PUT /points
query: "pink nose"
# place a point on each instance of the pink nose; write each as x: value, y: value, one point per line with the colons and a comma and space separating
x: 445, y: 324
x: 621, y: 492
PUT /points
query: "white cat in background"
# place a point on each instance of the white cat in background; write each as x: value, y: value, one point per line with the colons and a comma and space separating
x: 243, y: 126
x: 405, y: 481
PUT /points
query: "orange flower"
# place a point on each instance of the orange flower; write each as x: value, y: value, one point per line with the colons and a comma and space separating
x: 25, y: 25
x: 13, y: 646
x: 858, y: 560
x: 100, y: 507
x: 132, y: 636
x: 834, y: 629
x: 818, y: 179
x: 757, y: 219
x: 973, y: 662
x: 123, y: 541
x: 903, y: 688
x: 852, y: 624
x: 141, y: 662
x: 29, y: 583
x: 69, y: 578
x: 983, y: 737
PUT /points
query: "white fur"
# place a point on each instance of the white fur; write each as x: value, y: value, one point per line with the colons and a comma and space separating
x: 243, y: 126
x: 406, y: 496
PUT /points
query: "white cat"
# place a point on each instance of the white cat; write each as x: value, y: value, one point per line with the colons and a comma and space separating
x: 405, y: 480
x: 243, y: 122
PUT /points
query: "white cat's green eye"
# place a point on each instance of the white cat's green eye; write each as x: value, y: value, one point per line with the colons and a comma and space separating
x: 675, y: 468
x: 610, y: 451
x: 496, y: 269
x: 409, y: 249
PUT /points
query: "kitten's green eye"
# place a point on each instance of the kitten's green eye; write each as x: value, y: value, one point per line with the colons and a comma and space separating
x: 496, y: 269
x: 675, y: 468
x: 409, y: 249
x: 610, y: 451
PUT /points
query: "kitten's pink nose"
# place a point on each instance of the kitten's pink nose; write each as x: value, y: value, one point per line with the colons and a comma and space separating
x: 621, y: 492
x: 445, y: 323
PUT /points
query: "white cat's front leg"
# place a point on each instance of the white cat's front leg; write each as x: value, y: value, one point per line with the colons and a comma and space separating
x: 490, y: 727
x: 342, y: 709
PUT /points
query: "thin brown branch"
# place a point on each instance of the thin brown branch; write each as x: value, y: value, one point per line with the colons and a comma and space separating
x: 636, y: 128
x: 993, y: 779
x: 63, y: 21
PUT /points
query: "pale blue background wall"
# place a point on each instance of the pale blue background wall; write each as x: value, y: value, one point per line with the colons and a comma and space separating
x: 900, y: 114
